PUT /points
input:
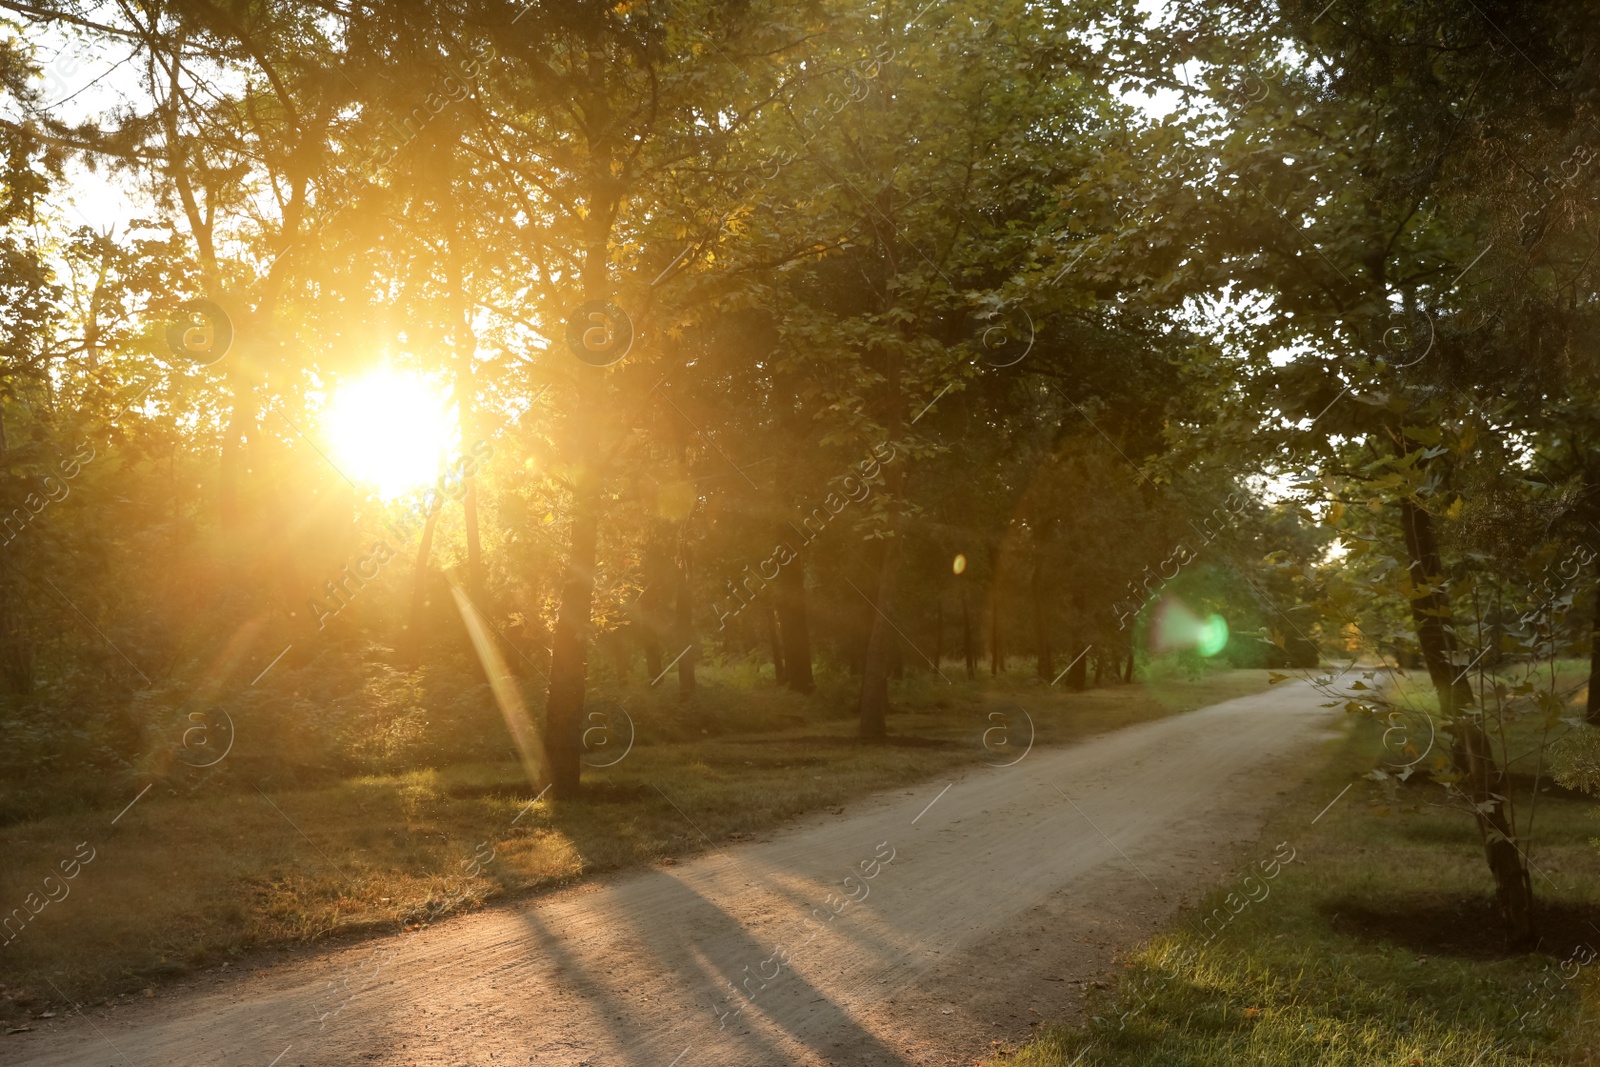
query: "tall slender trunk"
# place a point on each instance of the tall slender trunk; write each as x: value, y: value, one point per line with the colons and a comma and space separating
x: 874, y: 703
x: 569, y: 655
x: 469, y: 516
x: 1041, y: 529
x: 779, y: 674
x: 178, y: 151
x: 875, y: 670
x: 91, y: 324
x: 685, y: 647
x: 419, y: 591
x: 1592, y: 709
x: 231, y: 462
x: 969, y: 653
x: 794, y: 625
x: 685, y: 629
x: 994, y: 626
x: 465, y: 343
x: 650, y: 617
x: 1041, y: 629
x: 1078, y: 673
x: 1474, y: 756
x: 569, y: 643
x: 652, y: 654
x: 16, y: 648
x: 16, y: 651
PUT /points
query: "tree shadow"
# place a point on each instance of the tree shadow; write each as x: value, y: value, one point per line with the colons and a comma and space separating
x: 1462, y: 925
x: 694, y: 945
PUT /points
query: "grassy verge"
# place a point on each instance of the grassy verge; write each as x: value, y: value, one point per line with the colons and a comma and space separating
x: 206, y: 868
x: 1378, y: 945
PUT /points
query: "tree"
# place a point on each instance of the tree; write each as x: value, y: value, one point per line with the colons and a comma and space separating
x: 1348, y: 191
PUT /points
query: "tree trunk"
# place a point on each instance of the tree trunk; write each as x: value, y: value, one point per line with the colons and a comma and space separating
x: 465, y: 344
x: 1078, y: 673
x: 419, y: 592
x: 569, y: 657
x: 16, y: 650
x: 569, y: 644
x: 1041, y: 629
x: 231, y: 462
x: 469, y: 516
x: 875, y: 671
x: 651, y: 616
x: 1127, y: 672
x: 652, y: 655
x: 874, y: 704
x: 685, y: 630
x: 794, y: 625
x: 780, y: 675
x: 1592, y: 709
x: 1430, y: 613
x: 994, y: 626
x: 967, y: 651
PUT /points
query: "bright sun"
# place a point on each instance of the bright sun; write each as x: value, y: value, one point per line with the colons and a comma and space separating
x: 390, y: 430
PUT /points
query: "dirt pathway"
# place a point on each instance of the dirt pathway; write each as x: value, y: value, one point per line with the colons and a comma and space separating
x: 992, y: 902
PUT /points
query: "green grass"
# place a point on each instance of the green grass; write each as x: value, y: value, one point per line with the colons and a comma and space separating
x: 205, y: 869
x: 1377, y: 946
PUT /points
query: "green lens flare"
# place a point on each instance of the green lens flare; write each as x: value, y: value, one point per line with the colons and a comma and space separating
x: 1213, y: 636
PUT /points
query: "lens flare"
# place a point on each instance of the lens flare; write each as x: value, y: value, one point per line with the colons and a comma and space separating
x: 1213, y: 636
x: 1176, y: 627
x: 960, y: 564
